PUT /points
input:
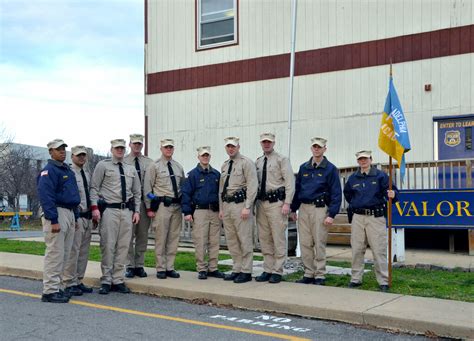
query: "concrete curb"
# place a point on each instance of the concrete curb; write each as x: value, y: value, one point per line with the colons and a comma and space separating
x: 382, y: 310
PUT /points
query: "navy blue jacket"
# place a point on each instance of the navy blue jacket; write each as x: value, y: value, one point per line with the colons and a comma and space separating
x: 57, y: 186
x: 200, y: 188
x: 367, y: 191
x: 312, y: 183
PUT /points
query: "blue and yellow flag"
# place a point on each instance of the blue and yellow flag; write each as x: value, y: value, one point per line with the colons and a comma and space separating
x: 393, y: 136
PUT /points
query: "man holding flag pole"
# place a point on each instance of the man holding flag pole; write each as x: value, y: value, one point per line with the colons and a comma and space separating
x: 393, y: 140
x: 368, y: 190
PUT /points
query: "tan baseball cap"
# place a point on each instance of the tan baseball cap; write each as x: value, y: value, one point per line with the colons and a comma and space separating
x: 204, y: 150
x: 76, y: 150
x: 364, y: 153
x: 167, y: 142
x: 136, y: 138
x: 232, y: 140
x: 56, y: 143
x: 267, y: 137
x: 319, y: 141
x: 118, y: 143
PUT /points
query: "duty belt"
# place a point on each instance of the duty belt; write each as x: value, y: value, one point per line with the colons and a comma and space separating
x: 167, y: 201
x: 237, y: 197
x: 273, y: 196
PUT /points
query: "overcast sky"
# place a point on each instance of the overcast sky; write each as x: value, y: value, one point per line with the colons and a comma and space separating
x: 71, y: 69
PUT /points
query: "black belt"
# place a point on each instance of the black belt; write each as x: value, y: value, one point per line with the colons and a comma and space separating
x: 212, y: 207
x: 120, y: 205
x: 87, y: 215
x: 66, y: 207
x: 375, y: 211
x: 318, y: 202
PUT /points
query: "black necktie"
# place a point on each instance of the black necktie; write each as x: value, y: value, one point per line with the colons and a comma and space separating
x: 86, y: 189
x: 264, y: 179
x: 122, y: 183
x: 173, y: 180
x: 315, y: 165
x: 137, y: 167
x: 226, y: 183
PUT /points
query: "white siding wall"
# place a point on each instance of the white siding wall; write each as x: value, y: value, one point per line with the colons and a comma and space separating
x: 265, y: 27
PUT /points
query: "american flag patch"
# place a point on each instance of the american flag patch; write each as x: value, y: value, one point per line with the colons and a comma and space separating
x: 44, y: 173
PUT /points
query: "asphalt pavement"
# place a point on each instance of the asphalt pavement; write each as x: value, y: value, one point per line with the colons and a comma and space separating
x: 139, y: 317
x: 371, y: 309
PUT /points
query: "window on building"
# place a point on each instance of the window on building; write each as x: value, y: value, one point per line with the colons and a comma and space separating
x: 468, y: 136
x: 216, y: 23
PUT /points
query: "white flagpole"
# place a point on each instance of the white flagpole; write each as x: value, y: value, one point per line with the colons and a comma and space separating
x: 290, y: 99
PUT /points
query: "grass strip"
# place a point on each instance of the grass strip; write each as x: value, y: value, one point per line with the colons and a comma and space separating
x: 453, y: 285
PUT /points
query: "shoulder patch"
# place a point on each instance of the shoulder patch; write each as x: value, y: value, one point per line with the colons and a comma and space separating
x: 44, y: 173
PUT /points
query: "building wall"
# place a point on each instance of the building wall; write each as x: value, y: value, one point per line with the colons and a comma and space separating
x: 342, y: 106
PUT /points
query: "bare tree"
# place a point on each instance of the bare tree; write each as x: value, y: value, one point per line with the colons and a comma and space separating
x: 18, y: 173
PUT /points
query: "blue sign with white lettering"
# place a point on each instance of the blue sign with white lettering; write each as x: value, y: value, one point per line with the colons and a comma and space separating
x: 434, y: 209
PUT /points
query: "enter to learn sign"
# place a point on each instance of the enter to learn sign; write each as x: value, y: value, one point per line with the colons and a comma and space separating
x: 437, y: 209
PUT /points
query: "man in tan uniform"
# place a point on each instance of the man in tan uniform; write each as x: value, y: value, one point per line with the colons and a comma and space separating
x: 162, y: 189
x: 136, y: 252
x: 59, y: 198
x: 237, y: 192
x: 75, y: 268
x: 276, y: 190
x: 119, y: 186
x: 200, y: 205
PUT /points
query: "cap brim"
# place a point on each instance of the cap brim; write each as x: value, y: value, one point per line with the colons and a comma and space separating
x: 262, y: 140
x: 136, y: 141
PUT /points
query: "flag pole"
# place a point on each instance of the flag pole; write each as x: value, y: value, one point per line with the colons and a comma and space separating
x: 389, y: 217
x: 389, y: 211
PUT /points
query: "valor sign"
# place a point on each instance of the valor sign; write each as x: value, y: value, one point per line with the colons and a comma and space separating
x: 436, y: 209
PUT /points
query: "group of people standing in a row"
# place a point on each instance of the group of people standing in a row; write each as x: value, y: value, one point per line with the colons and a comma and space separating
x: 128, y: 193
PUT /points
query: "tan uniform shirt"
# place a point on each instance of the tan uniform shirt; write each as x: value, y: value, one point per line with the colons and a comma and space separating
x: 143, y: 161
x: 242, y: 175
x: 279, y: 174
x: 80, y: 184
x: 158, y: 180
x: 106, y: 181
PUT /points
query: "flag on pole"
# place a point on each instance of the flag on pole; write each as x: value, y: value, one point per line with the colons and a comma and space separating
x: 393, y: 136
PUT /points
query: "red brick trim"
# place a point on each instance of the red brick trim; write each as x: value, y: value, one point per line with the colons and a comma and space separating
x: 427, y: 45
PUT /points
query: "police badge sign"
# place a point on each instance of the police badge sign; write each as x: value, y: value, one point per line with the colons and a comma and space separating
x: 452, y: 138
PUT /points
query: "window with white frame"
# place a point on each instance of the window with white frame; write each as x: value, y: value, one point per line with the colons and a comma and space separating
x: 216, y: 23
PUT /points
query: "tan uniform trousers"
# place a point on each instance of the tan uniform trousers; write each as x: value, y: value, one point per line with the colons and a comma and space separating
x: 206, y: 237
x: 139, y: 240
x: 372, y: 230
x: 313, y: 236
x: 271, y: 233
x: 167, y: 224
x: 77, y: 263
x: 239, y: 236
x: 58, y: 247
x: 115, y: 233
